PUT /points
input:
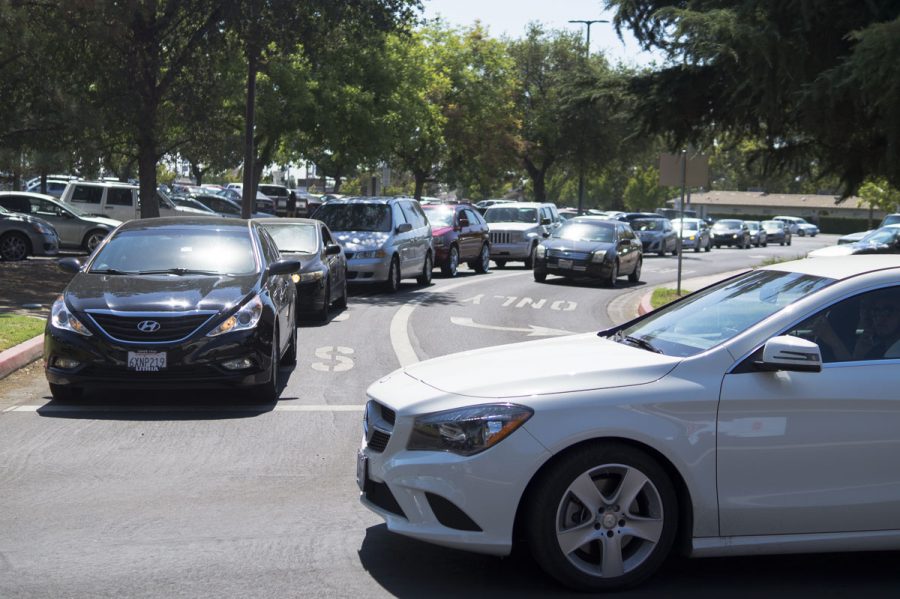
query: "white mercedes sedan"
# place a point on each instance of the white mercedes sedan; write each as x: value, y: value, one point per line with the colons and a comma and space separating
x: 758, y: 415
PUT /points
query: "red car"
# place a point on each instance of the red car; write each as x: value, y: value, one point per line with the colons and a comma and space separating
x: 460, y: 235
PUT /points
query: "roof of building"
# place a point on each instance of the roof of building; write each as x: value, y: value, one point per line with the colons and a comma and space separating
x: 758, y: 198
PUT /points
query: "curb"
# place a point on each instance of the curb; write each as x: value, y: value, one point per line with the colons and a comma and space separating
x: 695, y: 283
x: 21, y: 355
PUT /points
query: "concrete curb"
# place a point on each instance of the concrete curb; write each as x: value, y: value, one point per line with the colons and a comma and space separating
x: 21, y: 355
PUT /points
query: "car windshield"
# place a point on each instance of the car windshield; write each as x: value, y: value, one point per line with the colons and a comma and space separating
x: 715, y: 315
x: 884, y: 235
x: 688, y: 225
x: 581, y: 231
x: 295, y: 237
x: 504, y: 214
x: 647, y: 224
x: 777, y: 225
x: 355, y: 217
x: 440, y: 218
x: 177, y: 250
x: 753, y: 226
x: 891, y: 219
x: 728, y: 224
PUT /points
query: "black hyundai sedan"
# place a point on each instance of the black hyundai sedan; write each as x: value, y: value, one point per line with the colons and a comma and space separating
x: 187, y: 302
x: 590, y: 246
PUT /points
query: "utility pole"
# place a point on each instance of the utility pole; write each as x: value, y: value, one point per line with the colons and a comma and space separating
x: 587, y: 55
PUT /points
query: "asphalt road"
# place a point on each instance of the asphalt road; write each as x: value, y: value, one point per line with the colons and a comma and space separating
x: 208, y: 495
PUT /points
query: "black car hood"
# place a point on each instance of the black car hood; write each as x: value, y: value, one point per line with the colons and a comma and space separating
x: 308, y: 262
x: 158, y: 293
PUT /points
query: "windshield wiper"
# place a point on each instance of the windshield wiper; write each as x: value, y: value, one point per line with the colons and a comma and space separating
x: 177, y: 271
x: 110, y: 271
x: 641, y: 343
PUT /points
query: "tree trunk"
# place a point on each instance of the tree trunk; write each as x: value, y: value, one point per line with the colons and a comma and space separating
x: 337, y: 182
x: 249, y: 191
x: 147, y: 166
x: 420, y: 183
x: 538, y: 178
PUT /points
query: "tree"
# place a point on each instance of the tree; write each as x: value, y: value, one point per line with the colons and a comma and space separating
x: 809, y: 81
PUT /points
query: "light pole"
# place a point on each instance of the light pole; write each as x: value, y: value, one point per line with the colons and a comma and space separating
x: 587, y: 53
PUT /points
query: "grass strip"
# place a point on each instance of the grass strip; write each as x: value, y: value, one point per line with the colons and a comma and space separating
x: 14, y: 329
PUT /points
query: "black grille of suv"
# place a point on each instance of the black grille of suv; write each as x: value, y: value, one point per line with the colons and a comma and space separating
x: 154, y: 328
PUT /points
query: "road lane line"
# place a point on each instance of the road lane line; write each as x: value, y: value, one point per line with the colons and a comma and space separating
x: 192, y: 408
x: 403, y: 348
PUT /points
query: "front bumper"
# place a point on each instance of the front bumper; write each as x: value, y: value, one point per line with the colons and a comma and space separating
x: 511, y: 251
x: 728, y: 239
x: 572, y: 268
x: 195, y: 363
x: 653, y: 245
x: 467, y: 503
x: 311, y: 295
x: 368, y: 270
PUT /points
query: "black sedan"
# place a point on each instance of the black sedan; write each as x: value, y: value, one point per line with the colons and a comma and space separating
x: 590, y: 246
x: 322, y: 280
x: 167, y: 303
x: 885, y: 240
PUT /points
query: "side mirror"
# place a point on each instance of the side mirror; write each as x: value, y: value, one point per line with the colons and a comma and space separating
x: 332, y: 249
x: 546, y: 234
x: 72, y: 265
x: 463, y: 221
x: 284, y: 267
x: 545, y: 221
x: 404, y: 228
x: 790, y: 353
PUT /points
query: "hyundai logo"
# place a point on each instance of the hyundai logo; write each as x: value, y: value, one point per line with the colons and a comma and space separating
x: 148, y: 326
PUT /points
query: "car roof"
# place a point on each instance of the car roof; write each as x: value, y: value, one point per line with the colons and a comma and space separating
x: 593, y: 218
x: 519, y: 205
x: 176, y: 222
x: 839, y: 267
x: 367, y: 200
x: 276, y: 220
x: 31, y: 194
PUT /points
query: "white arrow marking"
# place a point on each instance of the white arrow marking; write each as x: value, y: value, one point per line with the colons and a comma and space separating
x: 532, y: 330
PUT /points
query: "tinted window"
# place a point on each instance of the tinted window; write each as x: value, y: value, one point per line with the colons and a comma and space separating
x: 217, y: 251
x: 356, y: 217
x: 730, y: 224
x: 89, y: 194
x: 503, y: 214
x: 410, y: 215
x: 648, y: 224
x: 16, y: 204
x: 441, y: 217
x: 581, y: 231
x: 118, y: 197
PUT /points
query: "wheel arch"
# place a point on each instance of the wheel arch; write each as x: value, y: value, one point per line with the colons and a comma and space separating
x: 683, y: 534
x: 14, y: 233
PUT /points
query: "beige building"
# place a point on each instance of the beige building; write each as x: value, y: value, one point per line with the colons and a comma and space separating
x: 811, y: 207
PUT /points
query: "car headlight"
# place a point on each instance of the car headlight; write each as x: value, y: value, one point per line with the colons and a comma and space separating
x: 735, y: 236
x: 692, y: 237
x: 598, y: 256
x: 308, y: 277
x: 439, y: 241
x: 379, y: 253
x: 61, y: 318
x: 245, y: 318
x: 531, y: 235
x: 540, y: 252
x: 467, y: 431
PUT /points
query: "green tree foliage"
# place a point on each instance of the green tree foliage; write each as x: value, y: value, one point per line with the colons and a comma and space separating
x: 810, y: 81
x: 878, y: 194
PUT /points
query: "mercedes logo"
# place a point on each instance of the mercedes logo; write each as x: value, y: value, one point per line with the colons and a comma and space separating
x: 148, y: 326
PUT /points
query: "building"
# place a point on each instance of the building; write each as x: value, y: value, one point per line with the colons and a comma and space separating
x: 761, y: 206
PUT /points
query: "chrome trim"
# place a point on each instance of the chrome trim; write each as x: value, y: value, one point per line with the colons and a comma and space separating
x: 209, y: 313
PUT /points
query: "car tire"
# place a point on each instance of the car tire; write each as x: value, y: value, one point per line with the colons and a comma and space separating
x: 322, y: 313
x: 529, y: 261
x: 424, y: 279
x: 393, y: 280
x: 613, y: 274
x: 14, y: 246
x: 635, y: 276
x: 709, y: 246
x: 93, y: 239
x: 718, y: 247
x: 483, y: 263
x: 697, y: 247
x: 268, y: 391
x: 540, y: 276
x: 65, y: 393
x: 451, y: 268
x: 500, y: 263
x: 290, y: 356
x: 342, y: 301
x: 581, y: 492
x: 782, y: 243
x: 801, y: 233
x: 789, y: 241
x: 662, y: 252
x: 765, y: 244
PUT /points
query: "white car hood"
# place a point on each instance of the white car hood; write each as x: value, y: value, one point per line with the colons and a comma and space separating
x: 559, y: 365
x: 846, y: 249
x: 356, y: 241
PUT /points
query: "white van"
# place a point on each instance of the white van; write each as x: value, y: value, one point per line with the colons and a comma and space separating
x: 117, y: 200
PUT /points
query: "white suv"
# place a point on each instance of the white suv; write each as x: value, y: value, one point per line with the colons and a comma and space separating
x: 119, y: 201
x: 517, y: 228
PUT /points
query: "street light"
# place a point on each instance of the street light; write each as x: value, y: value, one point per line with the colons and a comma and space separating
x: 587, y: 22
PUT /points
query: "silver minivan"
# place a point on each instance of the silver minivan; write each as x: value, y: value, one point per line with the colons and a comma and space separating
x: 384, y: 239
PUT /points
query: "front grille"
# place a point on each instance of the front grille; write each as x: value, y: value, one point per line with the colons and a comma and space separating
x: 505, y: 237
x: 568, y: 254
x: 379, y: 441
x: 380, y: 495
x: 349, y: 255
x: 379, y: 425
x: 170, y: 327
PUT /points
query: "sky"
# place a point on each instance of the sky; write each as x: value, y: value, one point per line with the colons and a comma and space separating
x: 511, y: 17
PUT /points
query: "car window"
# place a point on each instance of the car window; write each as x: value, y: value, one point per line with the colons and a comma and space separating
x: 295, y: 237
x: 89, y: 194
x: 862, y: 327
x: 269, y: 247
x: 342, y: 216
x: 648, y: 224
x: 117, y: 196
x: 582, y: 231
x: 410, y: 214
x: 715, y: 315
x: 161, y: 249
x: 511, y: 215
x: 441, y: 217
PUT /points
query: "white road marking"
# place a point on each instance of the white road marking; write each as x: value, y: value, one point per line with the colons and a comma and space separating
x: 333, y: 354
x: 532, y: 330
x: 400, y: 342
x: 341, y: 317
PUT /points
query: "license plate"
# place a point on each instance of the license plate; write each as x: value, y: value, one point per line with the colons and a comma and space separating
x: 362, y: 467
x: 563, y: 263
x: 146, y: 361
